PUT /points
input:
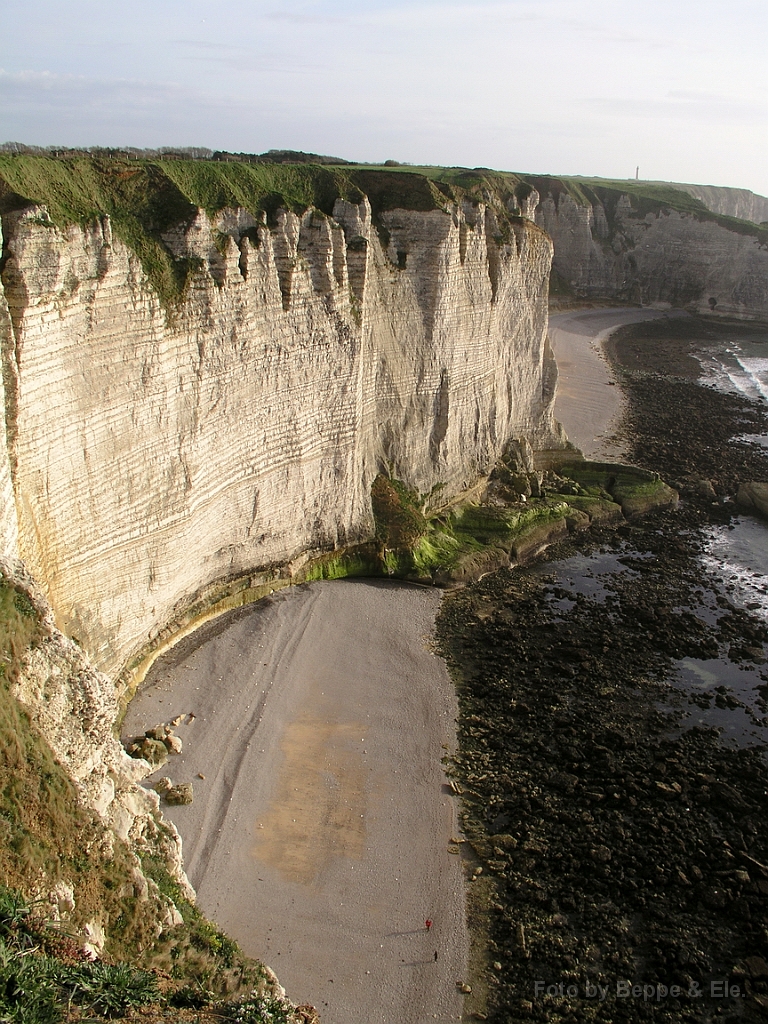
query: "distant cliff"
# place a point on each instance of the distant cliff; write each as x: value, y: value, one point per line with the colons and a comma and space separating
x: 160, y: 441
x: 649, y: 242
x: 730, y: 202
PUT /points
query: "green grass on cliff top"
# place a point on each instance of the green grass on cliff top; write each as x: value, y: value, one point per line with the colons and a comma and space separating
x: 144, y: 198
x: 645, y: 196
x: 159, y: 193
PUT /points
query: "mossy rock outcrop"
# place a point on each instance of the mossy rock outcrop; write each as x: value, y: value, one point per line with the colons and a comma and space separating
x: 460, y: 543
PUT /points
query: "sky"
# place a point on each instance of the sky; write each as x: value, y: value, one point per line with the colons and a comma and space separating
x: 598, y: 88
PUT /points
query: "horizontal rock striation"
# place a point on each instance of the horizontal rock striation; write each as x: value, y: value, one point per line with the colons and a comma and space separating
x: 152, y: 451
x: 731, y: 202
x: 627, y: 252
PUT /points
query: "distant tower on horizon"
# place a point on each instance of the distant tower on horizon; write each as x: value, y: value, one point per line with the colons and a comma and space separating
x: 637, y: 172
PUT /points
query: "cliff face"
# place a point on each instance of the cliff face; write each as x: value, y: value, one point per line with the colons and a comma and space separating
x: 622, y: 250
x: 731, y: 202
x: 149, y: 454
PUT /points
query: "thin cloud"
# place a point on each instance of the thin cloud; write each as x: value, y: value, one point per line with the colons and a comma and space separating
x: 466, y: 18
x: 682, y: 106
x: 203, y: 44
x: 47, y: 81
x: 245, y: 61
x: 306, y: 19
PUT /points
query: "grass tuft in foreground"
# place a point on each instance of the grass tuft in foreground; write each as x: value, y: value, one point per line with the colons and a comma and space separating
x: 45, y: 978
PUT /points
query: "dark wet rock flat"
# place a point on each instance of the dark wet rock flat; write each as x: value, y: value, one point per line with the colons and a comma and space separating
x: 675, y: 425
x: 622, y: 843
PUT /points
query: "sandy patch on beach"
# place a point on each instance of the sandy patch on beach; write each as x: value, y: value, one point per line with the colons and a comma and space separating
x: 319, y: 835
x: 588, y: 402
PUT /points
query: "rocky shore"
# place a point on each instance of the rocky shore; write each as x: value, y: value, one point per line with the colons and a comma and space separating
x: 622, y: 837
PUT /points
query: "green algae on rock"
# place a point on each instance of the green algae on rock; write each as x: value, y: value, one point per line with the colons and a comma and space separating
x: 468, y: 538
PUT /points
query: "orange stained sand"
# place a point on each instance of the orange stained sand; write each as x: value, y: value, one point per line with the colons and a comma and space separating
x: 317, y: 813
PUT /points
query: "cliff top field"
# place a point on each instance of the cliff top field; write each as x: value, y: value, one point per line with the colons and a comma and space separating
x: 145, y: 197
x: 78, y: 187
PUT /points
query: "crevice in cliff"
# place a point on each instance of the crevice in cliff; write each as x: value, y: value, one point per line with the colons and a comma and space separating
x: 242, y: 261
x: 463, y: 232
x: 285, y: 237
x: 494, y: 260
x: 357, y: 266
x: 338, y: 255
x: 315, y: 245
x: 11, y: 313
x: 440, y: 421
x: 548, y: 375
x: 254, y: 512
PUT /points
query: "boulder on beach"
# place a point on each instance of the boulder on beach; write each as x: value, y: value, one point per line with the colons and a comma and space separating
x: 181, y: 794
x: 754, y: 496
x: 150, y: 750
x: 173, y: 743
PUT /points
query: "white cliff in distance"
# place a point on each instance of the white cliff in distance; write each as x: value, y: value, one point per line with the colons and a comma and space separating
x: 626, y: 248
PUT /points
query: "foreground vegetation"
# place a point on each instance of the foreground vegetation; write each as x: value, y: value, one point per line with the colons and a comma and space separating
x: 44, y: 830
x: 45, y: 978
x: 53, y: 850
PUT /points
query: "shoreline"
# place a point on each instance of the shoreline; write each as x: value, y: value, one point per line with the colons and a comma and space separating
x: 622, y: 838
x: 587, y: 401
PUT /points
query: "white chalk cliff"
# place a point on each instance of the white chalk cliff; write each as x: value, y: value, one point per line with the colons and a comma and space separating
x: 633, y: 254
x: 731, y: 202
x: 149, y: 455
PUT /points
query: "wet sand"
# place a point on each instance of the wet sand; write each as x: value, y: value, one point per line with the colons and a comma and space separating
x: 319, y: 836
x: 588, y: 403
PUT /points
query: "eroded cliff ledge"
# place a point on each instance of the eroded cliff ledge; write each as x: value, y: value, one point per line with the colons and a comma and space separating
x: 155, y: 446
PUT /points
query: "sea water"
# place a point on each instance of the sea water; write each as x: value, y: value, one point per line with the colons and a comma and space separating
x: 738, y: 367
x: 697, y: 685
x: 736, y: 558
x: 739, y: 554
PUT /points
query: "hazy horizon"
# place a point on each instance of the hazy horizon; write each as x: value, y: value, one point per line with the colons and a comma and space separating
x: 592, y: 89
